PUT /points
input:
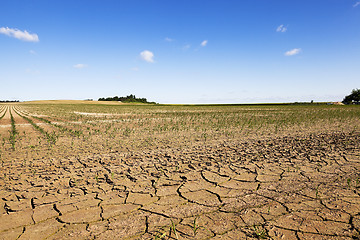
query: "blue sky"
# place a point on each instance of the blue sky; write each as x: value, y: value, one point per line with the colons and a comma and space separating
x: 188, y: 51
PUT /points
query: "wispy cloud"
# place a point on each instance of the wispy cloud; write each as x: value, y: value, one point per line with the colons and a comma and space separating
x: 21, y: 35
x: 80, y: 65
x: 186, y: 47
x: 204, y: 43
x: 147, y: 56
x: 32, y: 71
x: 293, y: 52
x: 32, y: 52
x: 135, y: 69
x: 167, y: 39
x: 281, y: 28
x: 356, y: 4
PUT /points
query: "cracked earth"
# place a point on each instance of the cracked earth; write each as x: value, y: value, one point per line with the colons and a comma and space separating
x: 283, y: 187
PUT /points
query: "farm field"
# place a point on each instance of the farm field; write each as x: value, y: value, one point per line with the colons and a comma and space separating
x: 74, y: 170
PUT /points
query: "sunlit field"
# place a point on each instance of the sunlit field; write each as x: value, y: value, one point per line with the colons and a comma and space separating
x: 89, y: 170
x: 139, y: 127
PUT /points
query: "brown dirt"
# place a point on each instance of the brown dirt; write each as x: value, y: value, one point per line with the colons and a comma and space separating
x: 284, y: 187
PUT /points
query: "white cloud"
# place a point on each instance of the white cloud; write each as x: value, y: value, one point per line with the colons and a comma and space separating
x: 169, y: 39
x: 186, y: 47
x: 135, y: 69
x: 80, y: 65
x: 21, y: 35
x: 32, y: 52
x: 204, y: 43
x: 147, y: 56
x: 356, y: 4
x: 281, y: 28
x: 293, y: 52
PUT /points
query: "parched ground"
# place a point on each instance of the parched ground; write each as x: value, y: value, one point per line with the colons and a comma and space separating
x: 300, y: 186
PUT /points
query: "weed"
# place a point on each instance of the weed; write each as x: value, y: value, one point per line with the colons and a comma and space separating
x: 160, y: 235
x: 195, y: 226
x: 173, y: 228
x: 260, y: 232
x: 348, y: 182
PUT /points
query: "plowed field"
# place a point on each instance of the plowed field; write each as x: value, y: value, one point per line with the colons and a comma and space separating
x: 88, y: 171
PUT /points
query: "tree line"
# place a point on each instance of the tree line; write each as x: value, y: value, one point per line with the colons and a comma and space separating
x: 128, y: 99
x: 8, y: 101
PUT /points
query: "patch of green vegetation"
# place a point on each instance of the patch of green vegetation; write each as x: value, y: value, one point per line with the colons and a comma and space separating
x: 260, y: 232
x: 13, y: 132
x: 123, y: 126
x: 51, y: 137
x: 76, y: 133
x: 128, y: 99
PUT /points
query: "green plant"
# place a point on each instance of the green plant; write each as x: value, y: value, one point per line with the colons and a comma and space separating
x: 51, y: 137
x: 13, y: 132
x: 260, y: 232
x: 173, y: 228
x: 160, y: 235
x: 195, y: 226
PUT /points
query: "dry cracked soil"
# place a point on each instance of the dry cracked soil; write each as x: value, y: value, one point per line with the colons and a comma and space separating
x: 284, y: 187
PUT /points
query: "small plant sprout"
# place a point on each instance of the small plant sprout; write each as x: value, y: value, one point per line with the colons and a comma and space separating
x: 173, y: 228
x: 348, y: 182
x: 195, y: 226
x: 260, y: 232
x: 160, y: 235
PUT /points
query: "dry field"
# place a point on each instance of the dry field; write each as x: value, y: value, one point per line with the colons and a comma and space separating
x: 98, y: 171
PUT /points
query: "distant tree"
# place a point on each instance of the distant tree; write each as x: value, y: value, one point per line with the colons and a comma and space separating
x: 128, y: 99
x: 354, y: 97
x: 9, y: 101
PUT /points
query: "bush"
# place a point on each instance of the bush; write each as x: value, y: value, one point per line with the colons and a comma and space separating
x: 353, y: 98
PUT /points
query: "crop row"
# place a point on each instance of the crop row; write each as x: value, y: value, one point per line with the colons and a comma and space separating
x: 102, y: 126
x: 3, y: 111
x: 50, y: 137
x: 13, y: 131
